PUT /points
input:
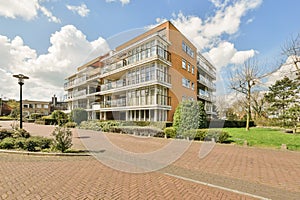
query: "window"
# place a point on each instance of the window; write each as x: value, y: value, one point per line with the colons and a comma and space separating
x: 45, y: 106
x: 38, y: 106
x: 189, y: 67
x: 193, y: 70
x: 185, y: 83
x: 187, y: 49
x: 193, y: 86
x: 183, y: 64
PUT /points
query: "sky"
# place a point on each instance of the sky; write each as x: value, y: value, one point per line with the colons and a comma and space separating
x: 48, y: 39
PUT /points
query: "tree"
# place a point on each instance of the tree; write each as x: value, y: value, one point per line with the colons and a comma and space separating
x: 243, y: 80
x: 291, y: 49
x: 258, y: 105
x: 282, y: 96
x: 78, y: 115
x: 189, y: 115
x: 60, y: 116
x: 293, y: 114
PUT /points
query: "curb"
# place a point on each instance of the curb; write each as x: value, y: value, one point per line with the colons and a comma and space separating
x: 43, y: 153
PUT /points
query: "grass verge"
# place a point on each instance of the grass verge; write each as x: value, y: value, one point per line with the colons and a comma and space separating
x: 264, y: 137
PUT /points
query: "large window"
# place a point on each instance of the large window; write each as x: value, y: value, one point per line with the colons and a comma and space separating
x: 183, y: 64
x: 187, y: 49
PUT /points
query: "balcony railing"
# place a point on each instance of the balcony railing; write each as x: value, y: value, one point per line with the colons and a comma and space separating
x: 206, y: 82
x: 154, y: 75
x: 139, y: 56
x: 76, y: 81
x: 205, y: 68
x: 206, y: 95
x: 136, y: 101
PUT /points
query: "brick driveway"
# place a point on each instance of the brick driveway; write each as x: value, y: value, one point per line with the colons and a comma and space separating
x: 268, y: 173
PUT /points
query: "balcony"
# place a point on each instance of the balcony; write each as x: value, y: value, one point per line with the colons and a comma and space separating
x: 206, y: 96
x: 153, y: 75
x: 207, y: 82
x: 75, y: 82
x: 206, y: 69
x: 153, y: 52
x: 143, y: 101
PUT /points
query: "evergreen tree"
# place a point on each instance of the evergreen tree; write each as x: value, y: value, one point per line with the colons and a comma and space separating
x: 282, y: 96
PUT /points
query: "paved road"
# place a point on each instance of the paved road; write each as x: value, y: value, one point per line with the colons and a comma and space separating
x: 273, y: 174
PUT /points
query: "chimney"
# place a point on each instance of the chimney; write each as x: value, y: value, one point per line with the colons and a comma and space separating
x: 54, y: 100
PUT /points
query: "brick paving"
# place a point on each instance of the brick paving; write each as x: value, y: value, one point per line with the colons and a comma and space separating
x: 273, y: 174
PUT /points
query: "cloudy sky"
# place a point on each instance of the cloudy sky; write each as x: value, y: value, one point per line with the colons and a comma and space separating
x: 48, y: 39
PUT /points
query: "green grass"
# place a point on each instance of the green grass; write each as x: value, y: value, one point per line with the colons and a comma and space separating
x: 264, y: 137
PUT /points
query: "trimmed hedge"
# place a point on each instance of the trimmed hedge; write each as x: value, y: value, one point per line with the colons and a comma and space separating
x: 170, y: 132
x: 137, y: 130
x: 229, y: 124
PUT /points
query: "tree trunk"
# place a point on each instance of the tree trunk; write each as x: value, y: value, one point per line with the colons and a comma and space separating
x: 248, y: 109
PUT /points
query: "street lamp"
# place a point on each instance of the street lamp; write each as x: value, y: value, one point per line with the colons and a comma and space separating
x: 21, y: 79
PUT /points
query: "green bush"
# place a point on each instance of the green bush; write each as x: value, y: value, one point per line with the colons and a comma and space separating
x: 99, y: 125
x: 170, y: 132
x: 200, y: 134
x: 137, y: 130
x: 70, y: 125
x: 79, y: 115
x: 21, y: 133
x: 31, y: 144
x: 49, y: 121
x: 20, y: 143
x: 35, y: 116
x: 4, y: 133
x: 60, y: 117
x: 189, y: 115
x: 229, y: 124
x: 41, y: 122
x: 62, y: 138
x: 7, y: 143
x: 218, y: 135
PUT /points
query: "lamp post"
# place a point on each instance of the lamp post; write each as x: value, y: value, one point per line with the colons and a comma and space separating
x: 21, y: 79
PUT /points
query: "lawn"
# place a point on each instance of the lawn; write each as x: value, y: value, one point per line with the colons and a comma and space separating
x: 264, y: 137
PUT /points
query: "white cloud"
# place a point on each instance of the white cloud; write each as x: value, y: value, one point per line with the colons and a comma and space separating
x: 81, y: 10
x: 26, y: 9
x: 210, y: 33
x: 124, y: 2
x: 68, y: 50
x: 287, y: 69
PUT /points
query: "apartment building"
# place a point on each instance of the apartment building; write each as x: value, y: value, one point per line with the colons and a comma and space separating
x: 143, y: 79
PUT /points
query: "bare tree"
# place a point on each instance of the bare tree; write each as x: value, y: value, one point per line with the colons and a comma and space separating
x: 243, y: 80
x: 291, y: 49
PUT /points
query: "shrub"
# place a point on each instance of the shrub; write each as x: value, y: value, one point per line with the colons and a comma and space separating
x: 78, y: 115
x: 99, y: 125
x: 170, y: 132
x: 62, y: 138
x: 60, y: 117
x: 20, y: 143
x: 49, y: 121
x: 4, y: 133
x: 200, y: 134
x: 189, y: 115
x: 7, y: 143
x: 70, y: 125
x: 41, y: 122
x: 229, y: 124
x: 35, y: 116
x: 31, y: 144
x: 137, y: 130
x: 21, y: 133
x: 218, y: 135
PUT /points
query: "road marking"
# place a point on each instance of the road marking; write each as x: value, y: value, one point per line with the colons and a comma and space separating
x: 217, y: 186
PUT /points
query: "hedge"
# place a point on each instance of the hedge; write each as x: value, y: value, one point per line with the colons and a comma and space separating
x: 137, y: 130
x: 229, y: 124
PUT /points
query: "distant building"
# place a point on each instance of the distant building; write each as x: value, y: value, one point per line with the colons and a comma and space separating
x: 39, y: 107
x: 144, y: 79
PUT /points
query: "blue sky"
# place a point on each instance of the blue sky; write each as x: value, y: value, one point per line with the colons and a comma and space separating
x: 48, y: 39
